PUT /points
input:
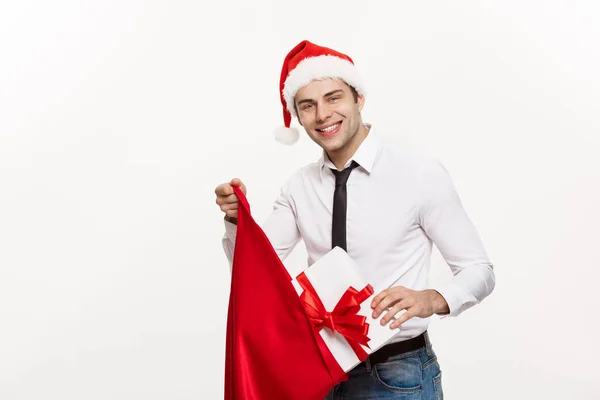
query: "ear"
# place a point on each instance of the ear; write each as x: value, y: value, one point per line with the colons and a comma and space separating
x: 360, y: 100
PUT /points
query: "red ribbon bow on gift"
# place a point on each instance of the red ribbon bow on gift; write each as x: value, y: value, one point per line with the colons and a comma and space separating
x: 344, y: 318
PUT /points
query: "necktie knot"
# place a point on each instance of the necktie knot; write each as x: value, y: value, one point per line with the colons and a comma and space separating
x: 341, y: 177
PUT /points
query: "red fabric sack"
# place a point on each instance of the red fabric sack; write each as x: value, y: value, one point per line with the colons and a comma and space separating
x: 272, y: 348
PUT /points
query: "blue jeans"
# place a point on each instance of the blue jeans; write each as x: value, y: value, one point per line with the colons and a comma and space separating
x: 408, y: 376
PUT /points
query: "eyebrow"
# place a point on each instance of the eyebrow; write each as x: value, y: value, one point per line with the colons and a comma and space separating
x: 325, y: 95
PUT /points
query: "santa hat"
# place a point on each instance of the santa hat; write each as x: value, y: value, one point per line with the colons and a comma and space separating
x: 303, y: 64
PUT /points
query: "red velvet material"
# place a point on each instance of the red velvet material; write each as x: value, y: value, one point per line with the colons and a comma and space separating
x: 272, y: 348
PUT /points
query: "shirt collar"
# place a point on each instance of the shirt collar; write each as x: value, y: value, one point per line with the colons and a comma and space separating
x: 365, y: 155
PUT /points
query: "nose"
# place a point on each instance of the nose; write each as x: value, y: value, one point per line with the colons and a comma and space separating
x: 323, y: 113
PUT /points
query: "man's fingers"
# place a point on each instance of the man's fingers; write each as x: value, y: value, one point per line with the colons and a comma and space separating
x: 231, y: 199
x: 227, y: 200
x: 229, y: 207
x: 388, y: 301
x: 402, y: 319
x: 384, y: 293
x: 224, y: 189
x: 238, y: 182
x: 378, y: 304
x: 379, y: 297
x: 399, y: 306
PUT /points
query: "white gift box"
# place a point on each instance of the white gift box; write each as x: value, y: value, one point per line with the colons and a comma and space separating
x: 331, y: 276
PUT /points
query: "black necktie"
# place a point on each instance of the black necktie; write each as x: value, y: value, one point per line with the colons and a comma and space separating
x: 340, y: 205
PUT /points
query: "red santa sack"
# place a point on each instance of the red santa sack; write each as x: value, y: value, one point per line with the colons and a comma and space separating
x: 272, y: 349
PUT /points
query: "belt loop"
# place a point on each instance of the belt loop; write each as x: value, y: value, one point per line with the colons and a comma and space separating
x: 368, y: 364
x: 428, y: 347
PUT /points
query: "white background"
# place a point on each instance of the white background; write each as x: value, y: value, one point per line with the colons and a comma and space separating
x: 118, y: 119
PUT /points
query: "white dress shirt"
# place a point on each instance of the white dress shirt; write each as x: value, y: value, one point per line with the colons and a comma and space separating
x: 399, y: 204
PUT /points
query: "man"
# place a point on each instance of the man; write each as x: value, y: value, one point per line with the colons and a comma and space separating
x: 385, y: 207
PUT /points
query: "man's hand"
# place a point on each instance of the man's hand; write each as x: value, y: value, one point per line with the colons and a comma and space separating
x: 417, y: 303
x: 228, y: 200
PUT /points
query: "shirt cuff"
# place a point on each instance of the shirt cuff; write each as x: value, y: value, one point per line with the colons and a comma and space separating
x: 455, y: 297
x: 230, y: 230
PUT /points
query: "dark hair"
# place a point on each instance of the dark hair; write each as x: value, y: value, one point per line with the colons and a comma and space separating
x: 354, y: 93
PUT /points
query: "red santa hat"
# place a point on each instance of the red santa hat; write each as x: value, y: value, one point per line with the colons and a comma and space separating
x: 303, y: 64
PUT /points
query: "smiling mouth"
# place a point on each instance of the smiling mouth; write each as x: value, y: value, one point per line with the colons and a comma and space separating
x: 330, y: 129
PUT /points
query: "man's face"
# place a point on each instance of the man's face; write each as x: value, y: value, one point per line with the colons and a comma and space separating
x: 329, y: 114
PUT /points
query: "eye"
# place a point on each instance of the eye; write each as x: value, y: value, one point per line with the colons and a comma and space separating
x: 306, y: 106
x: 334, y: 98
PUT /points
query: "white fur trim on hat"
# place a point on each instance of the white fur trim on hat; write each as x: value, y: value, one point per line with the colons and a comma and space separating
x: 318, y: 67
x: 287, y: 136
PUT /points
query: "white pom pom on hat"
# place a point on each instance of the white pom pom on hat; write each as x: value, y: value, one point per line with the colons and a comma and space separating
x: 303, y: 64
x: 287, y: 136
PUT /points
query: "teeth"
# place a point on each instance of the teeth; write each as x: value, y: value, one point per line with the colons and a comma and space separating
x: 329, y: 129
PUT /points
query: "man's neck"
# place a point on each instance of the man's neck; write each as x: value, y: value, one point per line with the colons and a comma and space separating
x: 340, y: 157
